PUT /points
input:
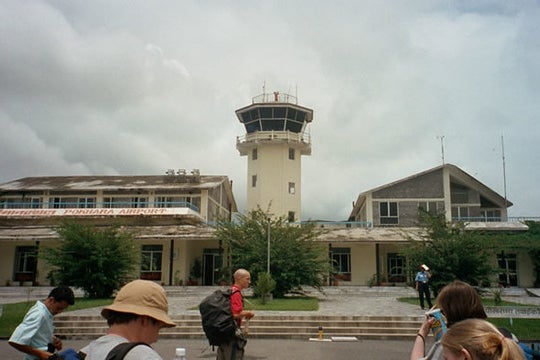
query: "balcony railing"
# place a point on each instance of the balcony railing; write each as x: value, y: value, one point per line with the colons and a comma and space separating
x: 99, y: 205
x: 511, y: 219
x: 340, y: 224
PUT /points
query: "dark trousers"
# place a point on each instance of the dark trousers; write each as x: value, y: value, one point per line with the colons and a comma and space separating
x: 231, y: 350
x: 423, y: 289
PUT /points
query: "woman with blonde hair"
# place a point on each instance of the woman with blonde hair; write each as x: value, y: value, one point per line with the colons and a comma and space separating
x: 476, y: 339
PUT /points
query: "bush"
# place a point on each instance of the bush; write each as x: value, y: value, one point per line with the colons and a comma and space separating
x: 97, y: 260
x: 264, y: 287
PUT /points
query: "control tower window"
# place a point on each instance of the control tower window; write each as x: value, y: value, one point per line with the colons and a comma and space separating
x: 254, y: 154
x: 280, y: 112
x: 291, y: 154
x: 291, y: 216
x: 254, y: 181
x: 266, y: 113
x: 292, y: 189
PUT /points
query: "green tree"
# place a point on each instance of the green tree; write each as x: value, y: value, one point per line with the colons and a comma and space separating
x: 296, y: 258
x: 527, y: 241
x: 451, y: 252
x: 96, y: 260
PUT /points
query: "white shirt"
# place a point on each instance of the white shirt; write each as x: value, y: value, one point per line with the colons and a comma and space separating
x: 100, y: 348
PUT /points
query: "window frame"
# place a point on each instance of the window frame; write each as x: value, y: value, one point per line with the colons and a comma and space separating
x: 386, y: 215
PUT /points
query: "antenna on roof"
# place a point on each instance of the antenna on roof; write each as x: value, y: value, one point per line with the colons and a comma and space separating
x: 442, y: 147
x: 504, y: 173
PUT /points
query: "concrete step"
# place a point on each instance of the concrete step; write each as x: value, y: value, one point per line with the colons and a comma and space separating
x: 266, y: 326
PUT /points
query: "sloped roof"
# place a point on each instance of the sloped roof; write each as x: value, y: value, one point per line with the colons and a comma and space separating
x: 456, y: 174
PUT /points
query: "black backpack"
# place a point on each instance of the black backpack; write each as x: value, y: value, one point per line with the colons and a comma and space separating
x: 120, y: 351
x: 217, y: 318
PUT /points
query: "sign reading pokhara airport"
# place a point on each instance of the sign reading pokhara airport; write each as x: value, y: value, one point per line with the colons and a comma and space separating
x: 93, y: 212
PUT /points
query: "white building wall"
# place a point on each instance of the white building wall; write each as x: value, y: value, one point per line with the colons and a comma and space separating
x: 274, y: 171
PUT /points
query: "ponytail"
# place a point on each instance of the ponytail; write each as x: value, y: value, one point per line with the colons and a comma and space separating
x: 481, y: 340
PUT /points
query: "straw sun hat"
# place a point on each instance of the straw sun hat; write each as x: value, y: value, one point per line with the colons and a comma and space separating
x: 142, y: 297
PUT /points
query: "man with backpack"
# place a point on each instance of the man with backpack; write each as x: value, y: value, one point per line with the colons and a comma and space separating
x: 233, y: 349
x: 135, y: 317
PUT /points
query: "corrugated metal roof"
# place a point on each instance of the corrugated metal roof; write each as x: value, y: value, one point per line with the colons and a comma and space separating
x: 66, y: 183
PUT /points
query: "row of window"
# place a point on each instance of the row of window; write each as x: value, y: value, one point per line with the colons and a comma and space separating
x: 389, y: 214
x: 108, y: 202
x: 152, y: 258
x: 396, y: 266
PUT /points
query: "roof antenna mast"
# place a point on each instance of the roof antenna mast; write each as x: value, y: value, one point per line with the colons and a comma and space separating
x: 504, y: 171
x: 442, y: 147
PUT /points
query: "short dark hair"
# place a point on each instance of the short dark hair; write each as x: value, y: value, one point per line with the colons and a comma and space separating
x: 117, y: 317
x: 63, y: 293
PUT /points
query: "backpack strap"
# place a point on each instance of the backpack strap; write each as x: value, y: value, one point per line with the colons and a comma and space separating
x: 120, y: 351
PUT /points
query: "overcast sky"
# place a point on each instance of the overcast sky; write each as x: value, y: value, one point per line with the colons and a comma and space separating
x: 137, y: 87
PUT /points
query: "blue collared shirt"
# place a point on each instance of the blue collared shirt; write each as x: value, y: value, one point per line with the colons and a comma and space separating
x: 422, y: 276
x: 36, y: 329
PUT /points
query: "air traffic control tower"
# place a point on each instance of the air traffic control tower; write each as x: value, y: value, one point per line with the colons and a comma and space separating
x: 274, y: 143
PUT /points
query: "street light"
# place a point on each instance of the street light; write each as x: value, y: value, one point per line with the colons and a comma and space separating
x: 268, y: 249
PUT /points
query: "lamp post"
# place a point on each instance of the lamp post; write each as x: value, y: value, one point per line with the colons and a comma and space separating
x: 268, y: 247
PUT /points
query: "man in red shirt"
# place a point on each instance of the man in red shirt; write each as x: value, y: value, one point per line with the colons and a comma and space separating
x: 234, y: 350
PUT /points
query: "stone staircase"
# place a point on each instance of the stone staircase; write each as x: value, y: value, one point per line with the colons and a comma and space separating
x: 265, y: 326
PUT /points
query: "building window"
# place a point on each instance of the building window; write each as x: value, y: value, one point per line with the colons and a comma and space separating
x: 492, y: 215
x: 290, y: 216
x: 431, y: 207
x: 125, y: 202
x: 25, y: 263
x: 172, y: 201
x: 396, y: 266
x: 341, y: 262
x: 86, y: 203
x: 151, y: 257
x: 388, y: 213
x: 459, y: 194
x: 64, y: 202
x: 291, y: 188
x: 507, y: 269
x: 254, y: 181
x: 291, y: 154
x: 21, y: 203
x: 254, y: 154
x: 460, y: 213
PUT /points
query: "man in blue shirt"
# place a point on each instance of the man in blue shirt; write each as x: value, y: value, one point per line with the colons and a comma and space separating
x: 422, y: 285
x: 35, y: 334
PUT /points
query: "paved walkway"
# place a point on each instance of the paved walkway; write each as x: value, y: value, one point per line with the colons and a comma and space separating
x: 342, y: 300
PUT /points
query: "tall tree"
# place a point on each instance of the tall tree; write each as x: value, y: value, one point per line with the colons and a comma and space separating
x: 97, y: 260
x: 296, y: 258
x: 451, y: 252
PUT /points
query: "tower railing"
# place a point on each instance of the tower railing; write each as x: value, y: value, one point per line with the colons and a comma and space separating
x: 288, y: 136
x: 276, y: 96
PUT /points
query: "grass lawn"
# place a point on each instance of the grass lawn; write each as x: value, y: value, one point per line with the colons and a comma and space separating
x: 524, y: 329
x: 287, y: 304
x: 14, y: 313
x: 301, y: 303
x: 485, y: 301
